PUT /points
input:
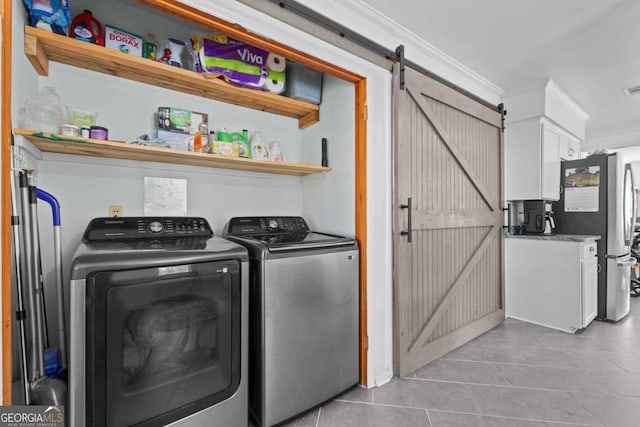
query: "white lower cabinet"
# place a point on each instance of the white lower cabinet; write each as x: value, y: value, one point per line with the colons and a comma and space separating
x: 552, y: 282
x: 589, y: 280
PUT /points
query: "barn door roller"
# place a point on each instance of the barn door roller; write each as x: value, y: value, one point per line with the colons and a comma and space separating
x: 400, y: 57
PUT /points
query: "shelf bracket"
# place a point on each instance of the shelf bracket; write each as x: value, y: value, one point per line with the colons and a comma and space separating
x: 36, y: 55
x: 310, y: 119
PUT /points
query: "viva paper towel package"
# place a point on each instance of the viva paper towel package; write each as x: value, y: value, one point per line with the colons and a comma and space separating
x: 239, y: 63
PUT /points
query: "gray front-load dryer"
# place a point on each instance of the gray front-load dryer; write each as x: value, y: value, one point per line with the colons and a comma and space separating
x: 304, y: 308
x: 159, y: 325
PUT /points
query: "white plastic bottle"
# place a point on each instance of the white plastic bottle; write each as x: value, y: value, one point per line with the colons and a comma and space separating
x: 275, y: 153
x: 259, y: 150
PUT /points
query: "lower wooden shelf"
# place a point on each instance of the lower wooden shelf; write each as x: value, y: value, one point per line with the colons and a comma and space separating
x: 55, y: 143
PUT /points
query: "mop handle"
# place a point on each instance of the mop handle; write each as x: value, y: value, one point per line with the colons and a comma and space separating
x: 55, y: 210
x: 53, y: 202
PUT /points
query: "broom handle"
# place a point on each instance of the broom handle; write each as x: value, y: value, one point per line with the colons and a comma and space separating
x: 20, y: 313
x: 38, y: 291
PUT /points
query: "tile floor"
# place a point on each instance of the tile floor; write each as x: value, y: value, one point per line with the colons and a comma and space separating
x: 518, y: 374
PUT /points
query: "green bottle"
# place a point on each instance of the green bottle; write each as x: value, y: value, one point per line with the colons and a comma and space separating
x: 150, y: 47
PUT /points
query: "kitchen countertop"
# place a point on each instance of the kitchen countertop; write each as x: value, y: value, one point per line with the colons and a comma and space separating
x: 556, y: 237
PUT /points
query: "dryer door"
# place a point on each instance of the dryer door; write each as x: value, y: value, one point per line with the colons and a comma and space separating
x: 162, y: 343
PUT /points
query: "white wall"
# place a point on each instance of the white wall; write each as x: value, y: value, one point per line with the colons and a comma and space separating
x: 326, y: 196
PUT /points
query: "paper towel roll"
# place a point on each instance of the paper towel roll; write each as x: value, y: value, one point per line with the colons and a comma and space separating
x: 274, y: 86
x: 276, y: 62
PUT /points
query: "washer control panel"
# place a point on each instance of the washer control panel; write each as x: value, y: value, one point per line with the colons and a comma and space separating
x: 123, y: 228
x: 242, y: 226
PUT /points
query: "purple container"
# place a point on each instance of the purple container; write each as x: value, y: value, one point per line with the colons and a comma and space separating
x: 98, y: 132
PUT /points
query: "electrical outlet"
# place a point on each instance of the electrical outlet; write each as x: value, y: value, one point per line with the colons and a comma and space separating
x: 116, y: 210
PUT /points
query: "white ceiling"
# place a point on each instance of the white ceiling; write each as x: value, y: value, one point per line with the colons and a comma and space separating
x: 590, y: 49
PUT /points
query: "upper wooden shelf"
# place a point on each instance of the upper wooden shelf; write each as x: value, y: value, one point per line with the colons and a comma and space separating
x: 121, y: 150
x: 43, y: 46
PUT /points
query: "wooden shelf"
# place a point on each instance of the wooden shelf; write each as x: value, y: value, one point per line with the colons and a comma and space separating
x: 43, y: 46
x: 55, y: 143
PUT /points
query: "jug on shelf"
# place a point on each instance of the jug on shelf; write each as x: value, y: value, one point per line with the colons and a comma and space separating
x: 87, y: 28
x: 259, y: 150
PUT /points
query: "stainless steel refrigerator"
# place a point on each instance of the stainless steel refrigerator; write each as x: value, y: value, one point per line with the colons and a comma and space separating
x: 598, y: 198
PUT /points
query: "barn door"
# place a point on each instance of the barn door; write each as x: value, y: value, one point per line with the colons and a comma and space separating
x: 448, y: 241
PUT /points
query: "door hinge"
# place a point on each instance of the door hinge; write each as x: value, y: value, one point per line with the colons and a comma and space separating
x: 365, y: 342
x: 400, y: 59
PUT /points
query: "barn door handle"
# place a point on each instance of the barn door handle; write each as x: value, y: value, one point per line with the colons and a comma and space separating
x: 408, y: 232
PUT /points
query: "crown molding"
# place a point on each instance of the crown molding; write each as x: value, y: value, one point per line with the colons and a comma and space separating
x: 566, y: 100
x: 620, y: 138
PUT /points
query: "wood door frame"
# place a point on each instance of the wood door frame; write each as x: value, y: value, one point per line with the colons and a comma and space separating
x: 442, y: 94
x: 195, y: 16
x: 6, y: 204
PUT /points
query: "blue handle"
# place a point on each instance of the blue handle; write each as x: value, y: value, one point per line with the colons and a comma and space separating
x: 55, y: 206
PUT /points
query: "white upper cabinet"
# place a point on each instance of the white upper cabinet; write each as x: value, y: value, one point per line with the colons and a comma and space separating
x: 543, y: 127
x: 550, y: 167
x: 572, y: 148
x: 532, y: 151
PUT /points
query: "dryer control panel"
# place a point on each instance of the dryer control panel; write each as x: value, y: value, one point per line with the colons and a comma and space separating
x: 145, y: 227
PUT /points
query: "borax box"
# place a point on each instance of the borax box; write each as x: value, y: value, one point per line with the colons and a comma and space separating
x: 123, y: 41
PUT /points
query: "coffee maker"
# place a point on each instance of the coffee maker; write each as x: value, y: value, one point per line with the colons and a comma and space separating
x: 538, y: 217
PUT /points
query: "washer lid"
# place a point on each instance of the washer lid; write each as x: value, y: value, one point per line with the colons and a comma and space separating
x: 299, y: 241
x: 281, y: 233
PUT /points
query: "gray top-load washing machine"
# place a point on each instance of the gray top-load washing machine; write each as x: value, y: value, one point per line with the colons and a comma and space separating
x: 304, y: 308
x: 159, y: 325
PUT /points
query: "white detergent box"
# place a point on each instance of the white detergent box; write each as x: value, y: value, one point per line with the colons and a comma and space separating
x: 123, y: 41
x: 177, y: 140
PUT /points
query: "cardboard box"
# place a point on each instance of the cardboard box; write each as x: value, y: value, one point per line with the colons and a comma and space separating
x: 123, y: 41
x: 179, y: 120
x: 177, y: 140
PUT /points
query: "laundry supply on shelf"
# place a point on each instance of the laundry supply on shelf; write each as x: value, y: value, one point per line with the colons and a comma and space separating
x: 181, y: 120
x: 223, y: 148
x: 172, y: 52
x: 99, y: 132
x: 86, y: 27
x: 275, y: 152
x: 123, y: 41
x: 49, y: 15
x: 241, y: 139
x: 238, y: 63
x: 176, y: 140
x: 259, y: 149
x: 82, y: 118
x: 150, y: 47
x: 70, y: 130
